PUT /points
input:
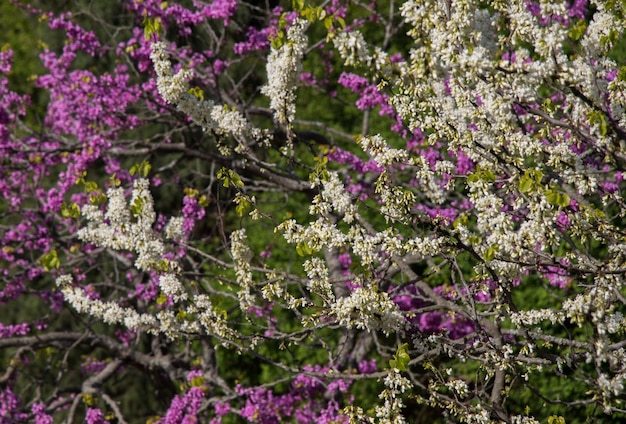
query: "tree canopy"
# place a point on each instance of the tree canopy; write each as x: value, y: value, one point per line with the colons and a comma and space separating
x: 334, y: 211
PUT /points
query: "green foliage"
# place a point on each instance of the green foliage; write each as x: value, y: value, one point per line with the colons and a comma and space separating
x: 597, y: 117
x: 137, y: 206
x: 197, y: 92
x: 229, y: 178
x: 51, y: 260
x: 401, y: 359
x: 70, y: 210
x: 557, y: 198
x: 152, y: 27
x: 142, y: 169
x: 481, y: 174
x: 577, y: 30
x: 530, y: 181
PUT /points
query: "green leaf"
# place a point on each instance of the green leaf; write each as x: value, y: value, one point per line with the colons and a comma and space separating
x: 114, y: 181
x: 557, y: 198
x: 50, y: 260
x: 481, y: 174
x: 161, y: 299
x: 309, y: 14
x: 531, y: 181
x: 243, y: 207
x: 196, y: 92
x: 278, y: 41
x: 70, y: 210
x: 490, y: 253
x: 181, y: 316
x: 401, y: 359
x: 577, y: 30
x: 197, y: 381
x: 303, y: 249
x: 229, y: 177
x: 97, y: 199
x: 525, y: 184
x: 596, y: 117
x: 151, y: 26
x: 328, y: 22
x: 136, y: 206
x: 462, y: 219
x: 90, y: 186
x: 142, y: 168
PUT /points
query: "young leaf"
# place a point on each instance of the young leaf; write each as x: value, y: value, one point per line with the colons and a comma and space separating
x: 401, y: 359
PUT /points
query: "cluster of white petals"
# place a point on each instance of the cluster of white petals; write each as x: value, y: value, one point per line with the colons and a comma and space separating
x: 174, y: 89
x: 108, y: 312
x: 125, y: 225
x: 128, y: 226
x: 352, y: 48
x: 241, y: 258
x: 368, y: 309
x: 283, y: 72
x: 334, y: 197
x: 391, y: 410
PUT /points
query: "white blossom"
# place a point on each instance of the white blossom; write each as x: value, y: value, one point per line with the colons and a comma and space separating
x: 352, y: 48
x: 283, y: 72
x: 368, y: 309
x: 108, y: 312
x: 211, y: 117
x: 241, y: 258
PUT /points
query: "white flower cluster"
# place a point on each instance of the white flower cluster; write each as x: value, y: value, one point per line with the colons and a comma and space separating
x: 211, y: 117
x: 212, y: 320
x: 174, y: 228
x: 391, y: 410
x: 129, y: 227
x: 458, y: 387
x: 479, y: 415
x: 334, y: 197
x: 318, y: 234
x: 283, y: 71
x: 108, y: 312
x: 352, y: 48
x: 172, y: 87
x: 536, y: 316
x: 241, y: 258
x: 318, y: 279
x: 381, y: 152
x: 611, y: 386
x: 520, y: 419
x: 368, y: 309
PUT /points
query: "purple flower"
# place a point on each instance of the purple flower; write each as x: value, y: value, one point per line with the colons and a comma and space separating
x: 184, y: 408
x: 13, y: 330
x: 577, y: 9
x: 222, y: 9
x: 367, y: 366
x: 345, y: 260
x: 39, y: 411
x: 192, y: 212
x: 562, y: 221
x: 222, y: 408
x: 95, y: 416
x: 9, y: 406
x: 256, y: 40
